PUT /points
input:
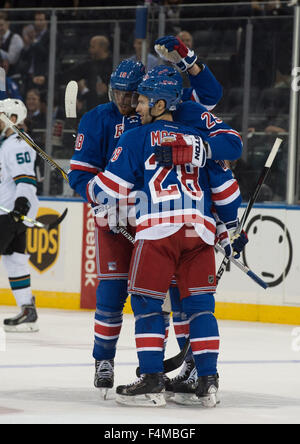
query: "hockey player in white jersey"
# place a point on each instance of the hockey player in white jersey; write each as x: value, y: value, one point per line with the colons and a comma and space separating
x: 17, y: 194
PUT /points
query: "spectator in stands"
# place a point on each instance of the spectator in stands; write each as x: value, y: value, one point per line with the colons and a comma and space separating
x: 186, y: 38
x: 34, y: 58
x: 152, y: 60
x: 11, y: 88
x: 35, y: 109
x: 11, y: 44
x: 37, y: 120
x: 94, y: 73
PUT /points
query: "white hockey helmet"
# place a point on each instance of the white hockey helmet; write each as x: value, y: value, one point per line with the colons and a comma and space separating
x: 14, y: 107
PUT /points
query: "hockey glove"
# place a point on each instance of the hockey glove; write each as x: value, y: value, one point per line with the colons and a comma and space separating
x: 233, y: 244
x: 180, y: 150
x: 238, y: 243
x: 21, y: 208
x: 175, y: 51
x: 223, y: 238
x: 106, y: 217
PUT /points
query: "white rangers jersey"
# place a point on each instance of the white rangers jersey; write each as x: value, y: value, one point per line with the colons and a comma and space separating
x: 17, y: 176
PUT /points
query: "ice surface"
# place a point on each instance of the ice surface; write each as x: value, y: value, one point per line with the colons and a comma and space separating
x: 47, y: 377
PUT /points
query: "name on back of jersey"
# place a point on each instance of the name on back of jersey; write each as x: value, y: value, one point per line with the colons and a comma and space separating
x: 157, y: 136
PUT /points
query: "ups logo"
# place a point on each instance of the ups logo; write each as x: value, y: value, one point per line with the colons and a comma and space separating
x: 41, y: 244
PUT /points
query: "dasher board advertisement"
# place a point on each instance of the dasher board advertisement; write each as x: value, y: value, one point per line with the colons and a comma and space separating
x: 54, y: 257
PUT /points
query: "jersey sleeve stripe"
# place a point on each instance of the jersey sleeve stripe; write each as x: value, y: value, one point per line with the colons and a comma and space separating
x: 83, y: 166
x: 113, y: 185
x: 226, y: 131
x: 31, y: 180
x: 225, y: 190
x: 229, y: 199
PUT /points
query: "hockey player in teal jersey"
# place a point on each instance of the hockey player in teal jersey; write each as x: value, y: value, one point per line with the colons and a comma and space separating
x: 17, y: 194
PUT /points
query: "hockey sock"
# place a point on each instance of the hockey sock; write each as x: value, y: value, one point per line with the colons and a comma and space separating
x: 167, y: 326
x: 180, y: 320
x: 204, y: 333
x: 149, y: 333
x: 111, y: 297
x: 17, y: 268
x: 205, y: 340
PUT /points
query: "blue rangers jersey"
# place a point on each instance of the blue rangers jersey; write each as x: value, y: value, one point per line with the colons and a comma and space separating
x: 205, y: 89
x: 98, y: 134
x: 165, y: 197
x: 100, y: 129
x: 224, y: 142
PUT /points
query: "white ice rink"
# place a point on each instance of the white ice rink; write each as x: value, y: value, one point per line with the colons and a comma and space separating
x: 47, y: 377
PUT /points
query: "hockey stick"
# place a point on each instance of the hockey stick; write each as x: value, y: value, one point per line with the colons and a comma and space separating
x: 175, y: 362
x: 70, y: 99
x: 252, y: 199
x: 243, y: 268
x: 2, y: 79
x: 48, y: 159
x: 38, y: 224
x: 33, y: 145
x: 239, y: 264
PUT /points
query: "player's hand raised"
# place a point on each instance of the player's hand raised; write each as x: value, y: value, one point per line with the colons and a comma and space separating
x: 175, y: 51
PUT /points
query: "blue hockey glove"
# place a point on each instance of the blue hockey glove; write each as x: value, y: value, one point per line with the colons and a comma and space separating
x: 175, y: 51
x: 238, y: 243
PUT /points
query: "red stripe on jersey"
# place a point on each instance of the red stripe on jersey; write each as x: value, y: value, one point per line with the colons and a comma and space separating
x: 235, y: 133
x: 166, y: 333
x: 178, y: 219
x: 209, y: 344
x: 106, y: 330
x: 84, y: 168
x: 181, y: 329
x: 114, y: 186
x: 149, y: 341
x: 225, y: 193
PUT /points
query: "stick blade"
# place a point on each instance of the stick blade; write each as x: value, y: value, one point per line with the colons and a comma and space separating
x: 71, y: 98
x: 58, y: 220
x: 273, y: 152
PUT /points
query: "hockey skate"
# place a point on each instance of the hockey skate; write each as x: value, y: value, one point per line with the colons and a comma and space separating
x: 25, y: 322
x: 197, y: 391
x: 147, y: 391
x: 104, y: 376
x: 207, y: 390
x: 187, y: 369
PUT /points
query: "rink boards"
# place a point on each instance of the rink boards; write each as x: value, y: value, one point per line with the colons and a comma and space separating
x: 64, y: 270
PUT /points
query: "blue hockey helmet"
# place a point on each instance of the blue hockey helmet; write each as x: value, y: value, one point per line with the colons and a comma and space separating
x: 162, y: 87
x: 127, y: 76
x: 164, y: 70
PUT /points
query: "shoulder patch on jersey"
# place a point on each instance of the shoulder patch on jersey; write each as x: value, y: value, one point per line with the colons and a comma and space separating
x: 116, y: 154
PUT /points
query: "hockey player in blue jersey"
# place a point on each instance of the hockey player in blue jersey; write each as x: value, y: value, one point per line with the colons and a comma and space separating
x: 175, y: 235
x: 98, y: 135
